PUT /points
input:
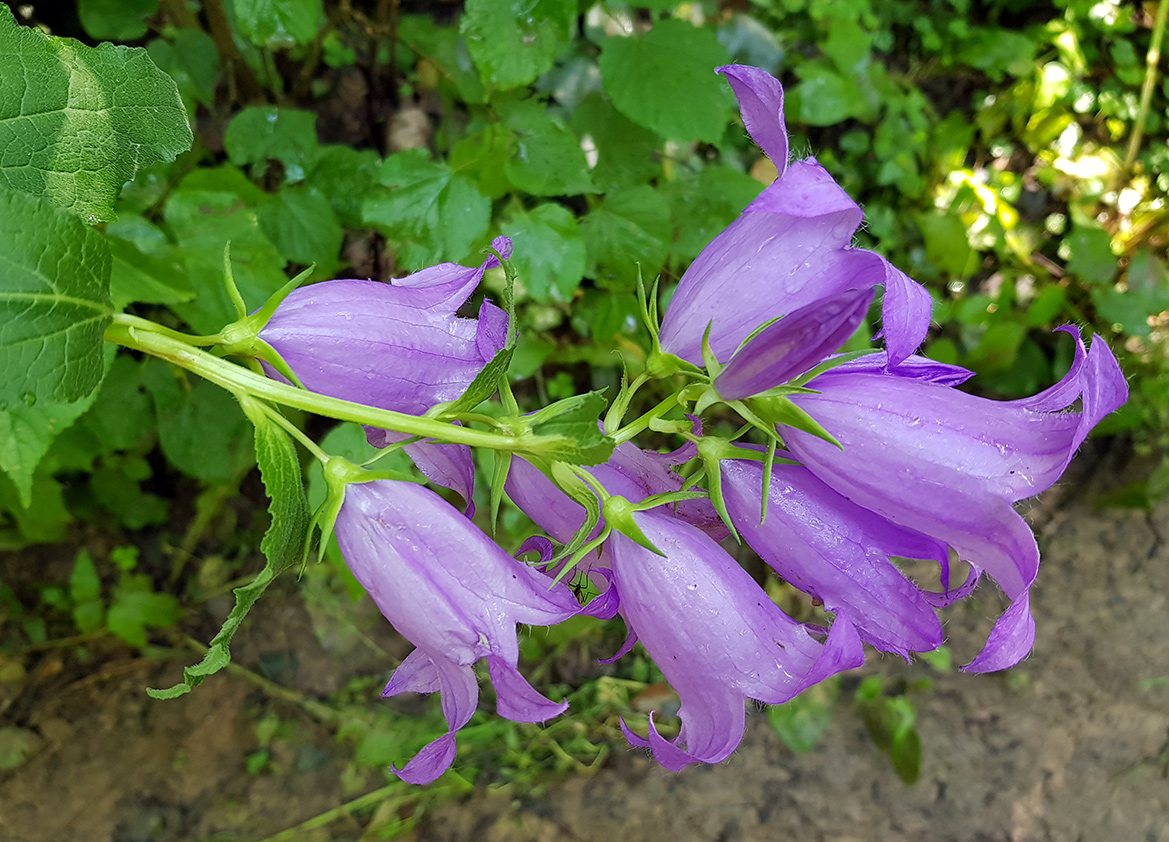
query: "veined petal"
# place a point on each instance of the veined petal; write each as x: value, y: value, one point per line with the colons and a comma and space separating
x: 905, y: 314
x: 460, y: 695
x: 913, y: 366
x: 791, y: 346
x: 416, y: 674
x: 448, y: 465
x: 837, y: 552
x: 760, y: 98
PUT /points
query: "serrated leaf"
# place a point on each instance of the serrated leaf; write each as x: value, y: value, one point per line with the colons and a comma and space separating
x: 549, y: 251
x: 263, y: 132
x: 664, y: 80
x: 431, y: 212
x: 627, y: 154
x: 343, y: 175
x: 485, y: 384
x: 576, y: 419
x: 278, y: 24
x: 514, y: 41
x: 444, y: 61
x: 300, y: 222
x: 628, y: 233
x: 54, y: 302
x: 145, y: 278
x: 547, y: 158
x: 483, y: 156
x: 190, y: 57
x: 77, y: 122
x: 283, y: 543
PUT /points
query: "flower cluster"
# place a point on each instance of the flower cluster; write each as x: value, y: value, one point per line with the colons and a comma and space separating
x: 868, y: 458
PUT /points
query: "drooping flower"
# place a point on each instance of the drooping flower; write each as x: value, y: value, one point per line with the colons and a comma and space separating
x: 452, y: 592
x: 838, y: 552
x: 716, y: 636
x: 397, y: 346
x: 788, y: 249
x: 949, y: 464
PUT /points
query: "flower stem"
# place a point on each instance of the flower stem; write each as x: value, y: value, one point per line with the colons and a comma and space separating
x: 144, y: 336
x: 1152, y: 59
x: 641, y: 424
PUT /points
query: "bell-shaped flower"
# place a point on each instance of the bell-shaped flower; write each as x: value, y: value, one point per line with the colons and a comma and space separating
x: 716, y: 636
x: 452, y: 592
x: 949, y: 465
x: 793, y: 345
x: 838, y: 552
x: 397, y: 346
x: 788, y: 249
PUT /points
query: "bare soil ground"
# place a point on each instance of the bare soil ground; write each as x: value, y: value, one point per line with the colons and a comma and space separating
x: 1068, y: 746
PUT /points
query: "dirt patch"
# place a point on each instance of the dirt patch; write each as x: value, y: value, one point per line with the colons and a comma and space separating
x: 1068, y: 746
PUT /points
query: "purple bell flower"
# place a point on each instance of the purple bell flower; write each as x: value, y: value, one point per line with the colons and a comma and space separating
x: 396, y: 346
x: 949, y: 465
x: 788, y: 249
x: 716, y: 636
x: 452, y: 592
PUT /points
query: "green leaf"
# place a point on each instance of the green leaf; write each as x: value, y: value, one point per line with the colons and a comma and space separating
x: 946, y: 245
x: 77, y: 122
x: 264, y: 132
x: 300, y: 222
x: 1146, y: 294
x: 42, y: 522
x: 702, y: 207
x: 115, y: 20
x: 514, y: 41
x: 190, y: 57
x: 998, y: 348
x: 482, y: 157
x: 145, y: 278
x: 627, y: 154
x: 549, y: 251
x: 547, y: 159
x: 26, y: 433
x: 283, y: 543
x: 443, y: 57
x: 277, y: 24
x: 824, y: 97
x: 135, y: 607
x: 201, y: 428
x: 631, y: 229
x: 122, y: 416
x: 576, y: 418
x: 998, y: 51
x: 664, y: 80
x: 84, y: 583
x: 1090, y: 255
x: 54, y: 301
x: 343, y: 175
x: 432, y: 213
x: 801, y: 722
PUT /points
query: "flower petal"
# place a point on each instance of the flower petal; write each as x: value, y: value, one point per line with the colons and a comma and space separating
x: 836, y: 551
x: 516, y: 699
x: 760, y: 98
x: 905, y: 314
x: 416, y: 674
x: 1010, y: 640
x: 791, y: 346
x: 448, y: 465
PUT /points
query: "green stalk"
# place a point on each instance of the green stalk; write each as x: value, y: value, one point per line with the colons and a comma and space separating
x: 131, y: 333
x: 1152, y: 59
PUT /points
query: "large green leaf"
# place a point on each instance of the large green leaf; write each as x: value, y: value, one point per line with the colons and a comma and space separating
x: 54, y: 302
x: 263, y: 132
x: 547, y: 159
x: 626, y: 153
x: 664, y: 80
x: 514, y: 41
x: 26, y: 433
x: 630, y: 232
x: 300, y: 222
x: 77, y: 122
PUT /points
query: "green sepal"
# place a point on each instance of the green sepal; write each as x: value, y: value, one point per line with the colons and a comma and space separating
x: 283, y: 544
x: 618, y: 513
x: 756, y: 332
x: 499, y: 472
x: 768, y: 465
x: 713, y: 367
x: 569, y: 480
x: 233, y: 293
x: 485, y: 384
x: 763, y: 425
x: 780, y: 410
x: 655, y: 500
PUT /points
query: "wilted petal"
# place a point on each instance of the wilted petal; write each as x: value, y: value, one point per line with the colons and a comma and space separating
x: 837, y: 552
x: 791, y: 346
x: 460, y: 695
x: 1010, y: 640
x: 516, y: 698
x: 760, y: 98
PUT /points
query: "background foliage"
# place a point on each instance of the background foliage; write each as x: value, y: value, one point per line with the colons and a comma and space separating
x: 1004, y: 152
